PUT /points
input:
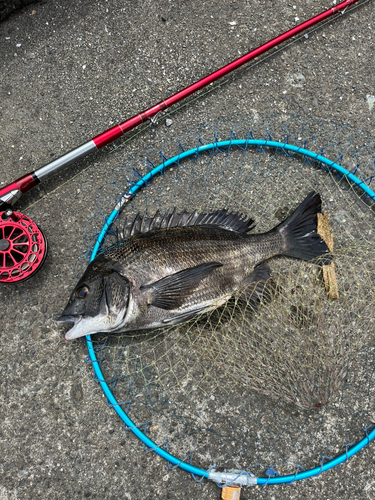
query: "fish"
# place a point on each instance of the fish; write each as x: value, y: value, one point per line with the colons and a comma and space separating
x: 167, y: 269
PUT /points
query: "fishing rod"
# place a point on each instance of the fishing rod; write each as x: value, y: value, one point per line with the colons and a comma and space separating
x: 23, y: 246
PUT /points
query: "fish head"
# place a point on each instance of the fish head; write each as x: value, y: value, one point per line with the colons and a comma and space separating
x: 98, y: 303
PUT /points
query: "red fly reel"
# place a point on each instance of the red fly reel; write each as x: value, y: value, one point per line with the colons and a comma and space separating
x: 23, y: 247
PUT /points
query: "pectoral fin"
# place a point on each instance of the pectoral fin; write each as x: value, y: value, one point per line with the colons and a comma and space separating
x: 171, y: 292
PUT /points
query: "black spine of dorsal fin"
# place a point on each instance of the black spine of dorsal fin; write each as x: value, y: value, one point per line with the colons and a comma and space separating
x: 165, y: 221
x: 219, y: 218
x: 127, y: 227
x: 199, y: 219
x: 175, y: 217
x: 146, y: 222
x: 156, y: 221
x: 191, y: 219
x: 136, y: 228
x: 175, y: 220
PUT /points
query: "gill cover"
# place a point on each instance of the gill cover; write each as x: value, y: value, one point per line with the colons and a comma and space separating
x: 96, y: 304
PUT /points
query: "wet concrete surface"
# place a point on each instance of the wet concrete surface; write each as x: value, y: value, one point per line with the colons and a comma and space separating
x: 70, y: 70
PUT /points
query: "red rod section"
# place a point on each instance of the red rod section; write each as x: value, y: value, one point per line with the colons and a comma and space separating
x: 117, y: 131
x: 22, y: 184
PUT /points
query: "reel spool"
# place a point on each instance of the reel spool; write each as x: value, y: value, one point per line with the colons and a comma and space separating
x: 23, y: 247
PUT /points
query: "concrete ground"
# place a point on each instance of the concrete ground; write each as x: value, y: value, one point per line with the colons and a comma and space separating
x: 70, y: 70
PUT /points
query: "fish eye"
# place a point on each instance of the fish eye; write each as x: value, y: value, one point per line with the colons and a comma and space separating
x: 82, y: 292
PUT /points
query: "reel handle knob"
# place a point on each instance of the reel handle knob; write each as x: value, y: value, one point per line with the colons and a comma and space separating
x: 9, y: 214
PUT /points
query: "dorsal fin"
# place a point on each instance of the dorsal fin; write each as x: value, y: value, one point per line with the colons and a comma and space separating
x: 220, y: 218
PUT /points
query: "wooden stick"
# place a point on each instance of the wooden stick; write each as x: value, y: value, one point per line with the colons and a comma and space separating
x: 329, y: 273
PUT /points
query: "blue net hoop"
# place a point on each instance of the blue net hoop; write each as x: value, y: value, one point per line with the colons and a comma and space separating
x: 350, y: 450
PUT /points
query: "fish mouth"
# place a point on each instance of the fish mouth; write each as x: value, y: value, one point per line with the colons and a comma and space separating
x: 72, y: 333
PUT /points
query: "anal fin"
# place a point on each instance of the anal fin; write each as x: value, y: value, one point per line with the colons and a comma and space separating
x: 174, y: 320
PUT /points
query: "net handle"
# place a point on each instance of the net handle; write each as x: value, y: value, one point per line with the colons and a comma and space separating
x: 146, y: 179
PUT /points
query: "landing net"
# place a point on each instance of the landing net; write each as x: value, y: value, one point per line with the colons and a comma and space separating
x: 271, y: 390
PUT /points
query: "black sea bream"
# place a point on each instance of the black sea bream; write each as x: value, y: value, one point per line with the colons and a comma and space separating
x: 169, y: 268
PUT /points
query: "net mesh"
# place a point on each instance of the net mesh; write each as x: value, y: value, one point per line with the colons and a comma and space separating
x: 277, y: 388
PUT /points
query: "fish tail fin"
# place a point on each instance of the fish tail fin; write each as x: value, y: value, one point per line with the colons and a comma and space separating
x: 299, y: 232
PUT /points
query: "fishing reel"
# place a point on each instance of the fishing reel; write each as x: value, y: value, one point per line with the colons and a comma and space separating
x: 23, y: 247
